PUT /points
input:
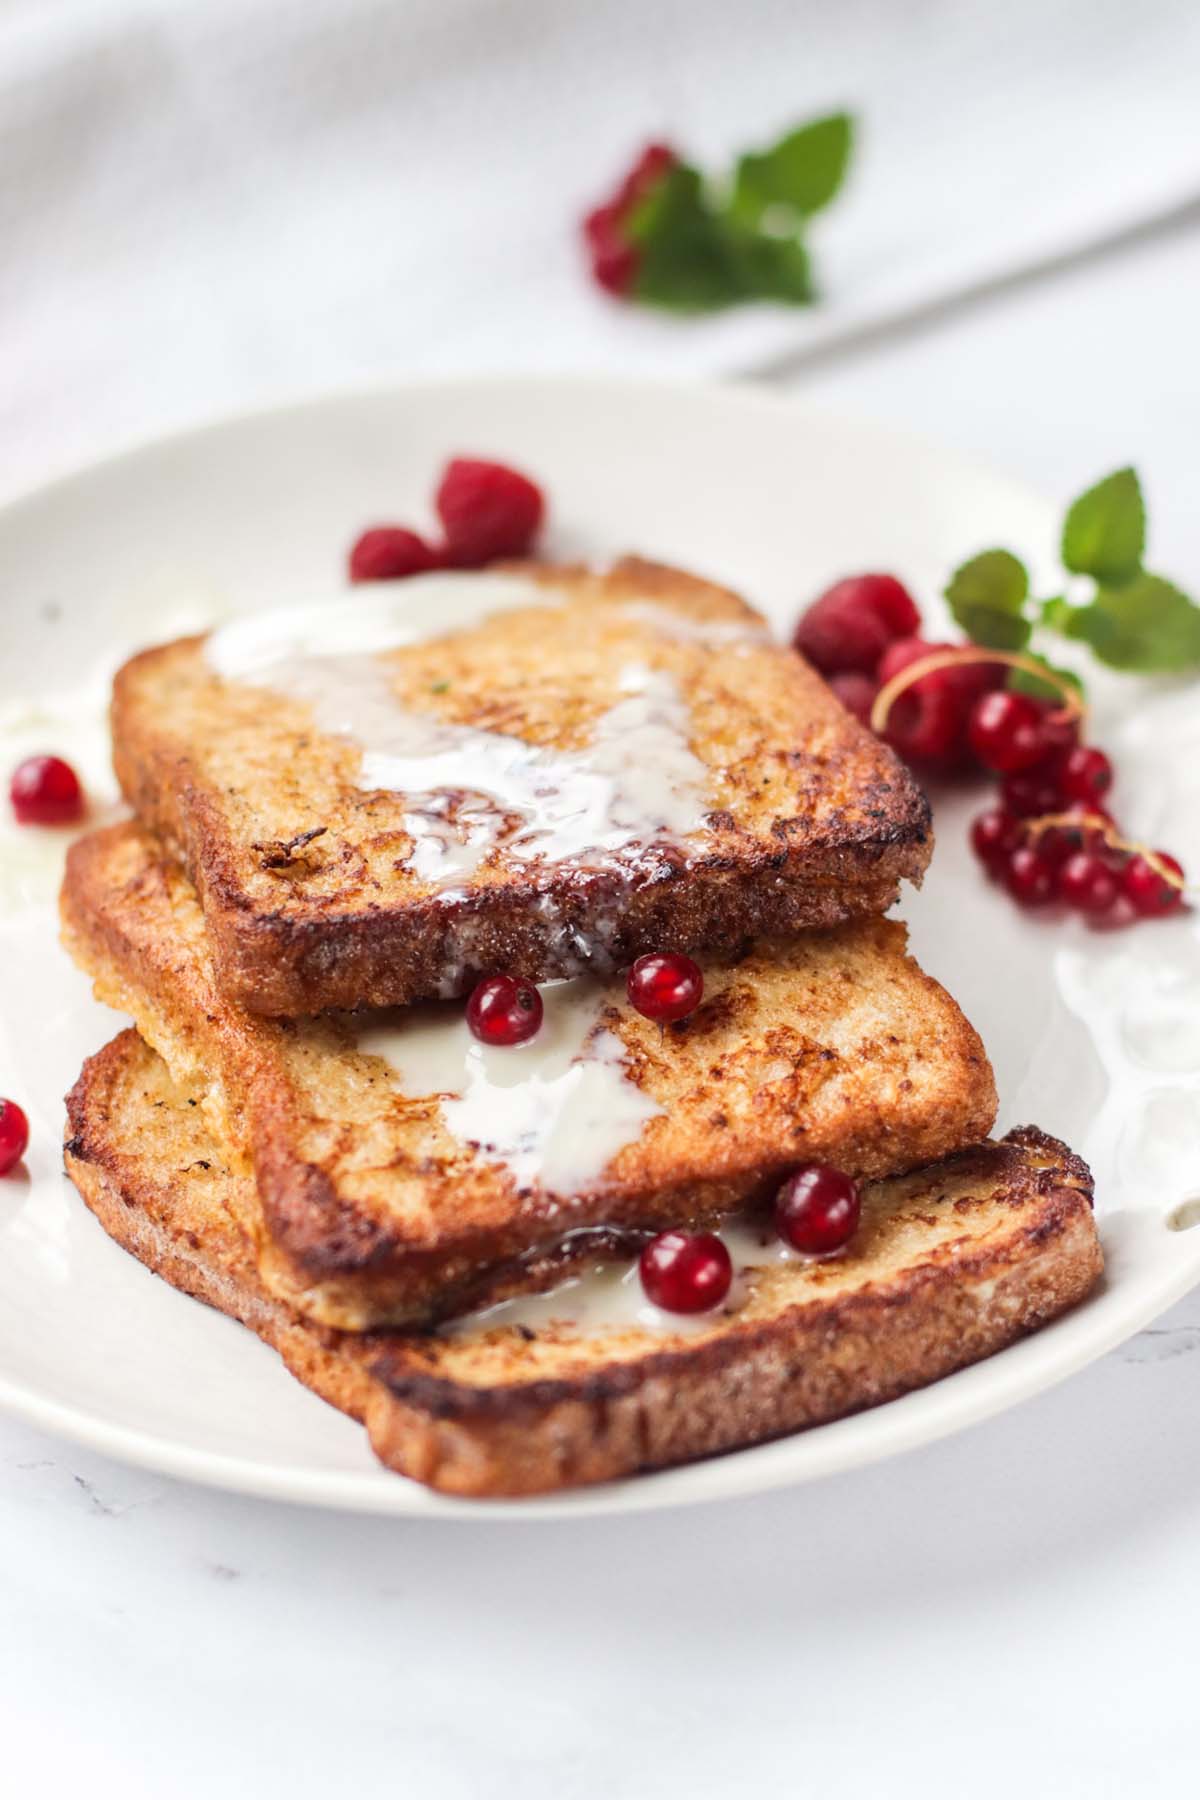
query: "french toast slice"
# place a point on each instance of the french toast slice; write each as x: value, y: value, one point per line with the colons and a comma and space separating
x: 550, y: 771
x: 950, y: 1264
x: 403, y: 1172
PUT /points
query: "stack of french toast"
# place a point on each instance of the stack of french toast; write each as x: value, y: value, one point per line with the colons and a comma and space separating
x: 347, y: 816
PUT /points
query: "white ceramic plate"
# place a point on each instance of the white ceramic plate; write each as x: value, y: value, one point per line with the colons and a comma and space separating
x: 1094, y: 1036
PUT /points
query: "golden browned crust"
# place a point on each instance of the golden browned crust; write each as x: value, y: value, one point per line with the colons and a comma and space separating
x: 303, y: 876
x: 951, y: 1264
x: 829, y: 1046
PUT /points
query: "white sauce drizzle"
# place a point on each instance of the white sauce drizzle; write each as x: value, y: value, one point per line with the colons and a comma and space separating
x: 635, y: 784
x: 608, y: 1296
x: 554, y: 1111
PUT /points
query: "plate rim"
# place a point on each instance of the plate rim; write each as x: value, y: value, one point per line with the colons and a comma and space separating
x: 895, y: 1427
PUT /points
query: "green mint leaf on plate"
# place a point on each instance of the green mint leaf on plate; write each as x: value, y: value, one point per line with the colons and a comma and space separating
x: 1023, y: 681
x: 687, y: 260
x: 799, y: 175
x: 1147, y: 625
x: 1105, y: 530
x: 986, y: 596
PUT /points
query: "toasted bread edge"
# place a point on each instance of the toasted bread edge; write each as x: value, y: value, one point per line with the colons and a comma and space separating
x: 808, y: 1365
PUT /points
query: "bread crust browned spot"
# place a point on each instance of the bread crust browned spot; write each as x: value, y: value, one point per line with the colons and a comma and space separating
x: 303, y: 876
x: 952, y: 1263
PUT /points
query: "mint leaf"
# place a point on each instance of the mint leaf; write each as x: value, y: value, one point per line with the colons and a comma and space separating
x: 687, y: 261
x: 801, y: 173
x: 1055, y: 613
x: 1105, y: 530
x: 1148, y: 625
x: 772, y: 268
x: 1022, y: 681
x: 695, y: 258
x: 986, y: 595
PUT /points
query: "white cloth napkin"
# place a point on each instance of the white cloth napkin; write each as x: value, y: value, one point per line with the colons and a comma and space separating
x: 207, y: 206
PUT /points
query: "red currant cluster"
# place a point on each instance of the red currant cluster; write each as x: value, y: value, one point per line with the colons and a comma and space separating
x: 487, y: 511
x: 1051, y: 839
x: 612, y: 253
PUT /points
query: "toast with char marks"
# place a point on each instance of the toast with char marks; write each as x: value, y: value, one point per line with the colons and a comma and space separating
x: 950, y: 1264
x: 377, y: 1202
x: 553, y: 773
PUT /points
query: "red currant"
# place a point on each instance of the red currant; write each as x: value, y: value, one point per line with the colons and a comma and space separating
x: 852, y: 623
x: 1146, y: 890
x: 1029, y: 877
x: 389, y: 552
x: 1057, y: 842
x: 817, y: 1210
x: 14, y: 1135
x: 686, y: 1273
x: 487, y: 511
x: 1093, y: 823
x: 856, y: 693
x: 665, y: 987
x: 1084, y: 774
x: 1087, y: 884
x: 1060, y: 729
x: 927, y: 722
x: 995, y: 834
x: 1007, y: 733
x: 45, y: 790
x: 1032, y: 794
x: 503, y: 1010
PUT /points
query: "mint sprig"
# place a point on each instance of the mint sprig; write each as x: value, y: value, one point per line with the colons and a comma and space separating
x: 795, y: 178
x: 987, y: 597
x: 1104, y: 532
x: 704, y: 245
x: 1132, y: 619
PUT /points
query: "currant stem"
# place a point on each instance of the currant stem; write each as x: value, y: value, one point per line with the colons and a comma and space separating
x: 1072, y: 708
x: 1112, y: 837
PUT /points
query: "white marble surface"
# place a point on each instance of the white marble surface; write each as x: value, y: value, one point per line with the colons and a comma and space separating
x: 1006, y: 1612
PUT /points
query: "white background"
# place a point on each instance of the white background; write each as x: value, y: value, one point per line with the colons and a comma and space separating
x: 1007, y: 1612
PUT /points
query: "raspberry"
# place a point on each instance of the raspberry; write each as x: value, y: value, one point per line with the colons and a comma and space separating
x: 388, y: 552
x: 852, y: 623
x: 612, y: 254
x: 926, y: 723
x: 655, y: 161
x: 856, y: 693
x: 614, y: 257
x: 487, y: 511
